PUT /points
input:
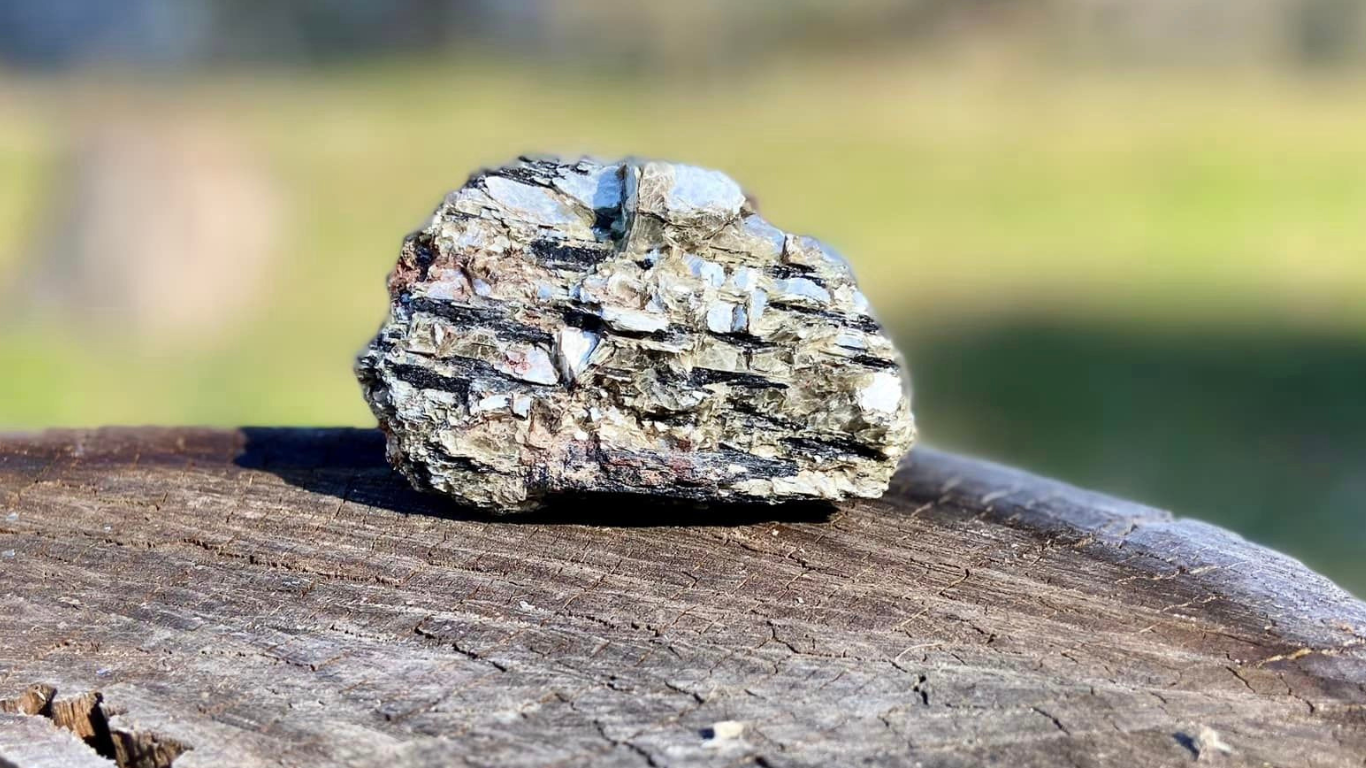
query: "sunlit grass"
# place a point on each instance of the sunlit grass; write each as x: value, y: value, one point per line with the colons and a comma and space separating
x: 26, y: 169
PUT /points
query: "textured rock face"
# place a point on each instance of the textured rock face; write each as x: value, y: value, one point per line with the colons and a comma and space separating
x: 629, y: 327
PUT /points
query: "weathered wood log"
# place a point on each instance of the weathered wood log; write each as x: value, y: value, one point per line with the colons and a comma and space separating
x: 280, y: 597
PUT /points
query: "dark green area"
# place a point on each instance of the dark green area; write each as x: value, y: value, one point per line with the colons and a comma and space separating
x: 1259, y: 431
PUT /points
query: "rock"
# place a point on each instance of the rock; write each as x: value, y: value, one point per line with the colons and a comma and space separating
x: 633, y: 327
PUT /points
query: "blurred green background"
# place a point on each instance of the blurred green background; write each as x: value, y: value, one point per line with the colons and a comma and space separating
x: 1122, y: 243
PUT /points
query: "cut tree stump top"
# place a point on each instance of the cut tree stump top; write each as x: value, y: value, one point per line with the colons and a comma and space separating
x: 279, y: 597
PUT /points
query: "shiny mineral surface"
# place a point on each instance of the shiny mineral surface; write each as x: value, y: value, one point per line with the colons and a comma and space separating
x: 629, y: 327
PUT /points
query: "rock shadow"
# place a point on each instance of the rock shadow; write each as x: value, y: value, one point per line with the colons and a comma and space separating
x: 349, y: 463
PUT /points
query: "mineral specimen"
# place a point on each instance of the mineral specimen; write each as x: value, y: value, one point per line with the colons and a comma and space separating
x: 629, y: 327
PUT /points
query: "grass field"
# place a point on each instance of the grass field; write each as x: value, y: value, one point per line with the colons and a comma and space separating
x: 1156, y: 284
x: 25, y: 169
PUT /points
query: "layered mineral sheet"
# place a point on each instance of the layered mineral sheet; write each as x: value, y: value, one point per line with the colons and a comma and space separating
x: 629, y: 327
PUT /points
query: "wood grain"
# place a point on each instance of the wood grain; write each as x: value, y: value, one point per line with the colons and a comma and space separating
x: 278, y: 597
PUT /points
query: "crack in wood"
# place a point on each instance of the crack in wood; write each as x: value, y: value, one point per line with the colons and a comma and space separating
x: 88, y: 717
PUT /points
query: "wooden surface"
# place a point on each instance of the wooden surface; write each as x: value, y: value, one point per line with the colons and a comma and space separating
x: 279, y: 597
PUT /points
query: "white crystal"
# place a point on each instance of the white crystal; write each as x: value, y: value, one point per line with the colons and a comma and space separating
x: 801, y: 288
x: 535, y: 205
x: 634, y: 319
x: 574, y: 347
x: 883, y: 394
x: 721, y: 317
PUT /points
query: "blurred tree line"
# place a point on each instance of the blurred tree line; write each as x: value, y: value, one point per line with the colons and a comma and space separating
x: 698, y: 34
